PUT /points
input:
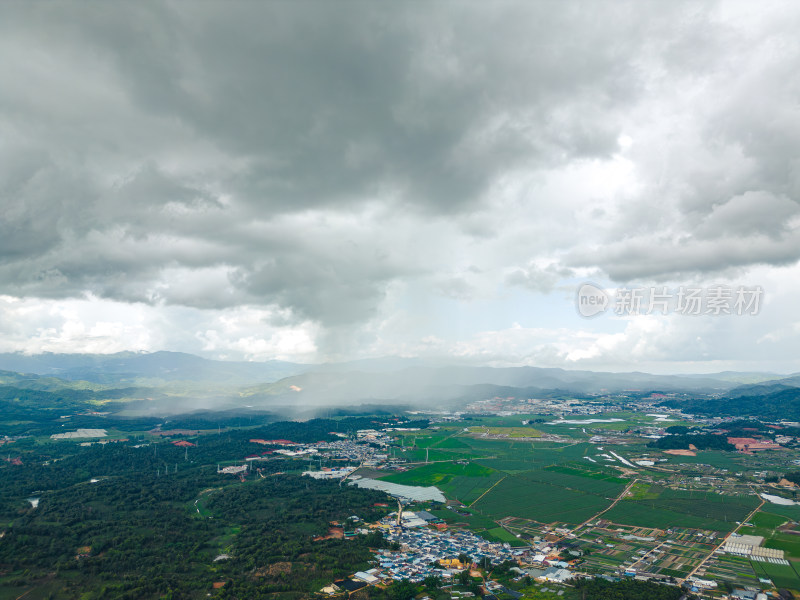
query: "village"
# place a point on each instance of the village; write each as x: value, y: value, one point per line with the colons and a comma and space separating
x: 428, y: 548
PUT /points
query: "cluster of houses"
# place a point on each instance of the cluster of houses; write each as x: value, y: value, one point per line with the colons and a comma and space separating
x: 428, y: 548
x: 365, y: 448
x: 425, y: 551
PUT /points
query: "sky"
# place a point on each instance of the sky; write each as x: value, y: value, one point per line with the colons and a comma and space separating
x: 328, y: 181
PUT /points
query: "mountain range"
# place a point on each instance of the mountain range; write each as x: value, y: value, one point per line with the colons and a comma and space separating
x: 185, y: 382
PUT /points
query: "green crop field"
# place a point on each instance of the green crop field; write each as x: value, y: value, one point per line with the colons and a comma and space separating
x: 787, y: 542
x: 768, y: 520
x: 783, y: 576
x: 641, y: 491
x: 591, y: 485
x: 765, y: 524
x: 592, y: 471
x: 675, y: 508
x: 451, y: 443
x: 469, y: 489
x: 512, y: 432
x: 438, y: 473
x: 433, y: 454
x: 525, y: 497
x: 511, y: 456
x: 791, y: 512
x: 504, y: 536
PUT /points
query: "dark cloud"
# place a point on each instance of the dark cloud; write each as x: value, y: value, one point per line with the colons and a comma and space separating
x: 179, y: 125
x: 309, y: 156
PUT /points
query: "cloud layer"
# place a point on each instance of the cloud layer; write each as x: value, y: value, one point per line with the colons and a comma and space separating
x: 356, y: 178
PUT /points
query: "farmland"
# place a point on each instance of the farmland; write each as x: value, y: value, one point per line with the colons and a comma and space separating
x: 509, y: 486
x: 526, y: 496
x: 664, y: 508
x: 440, y: 473
x: 511, y: 432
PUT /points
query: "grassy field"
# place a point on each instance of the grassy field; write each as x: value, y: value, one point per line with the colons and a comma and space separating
x: 504, y: 536
x: 439, y: 473
x: 767, y: 520
x: 642, y: 491
x: 765, y: 525
x: 512, y: 432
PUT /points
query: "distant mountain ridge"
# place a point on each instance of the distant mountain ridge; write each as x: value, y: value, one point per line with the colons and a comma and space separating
x: 167, y: 366
x: 454, y: 384
x: 163, y: 383
x: 180, y: 366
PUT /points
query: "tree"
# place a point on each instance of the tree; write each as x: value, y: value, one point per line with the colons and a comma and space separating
x: 432, y: 582
x: 401, y: 590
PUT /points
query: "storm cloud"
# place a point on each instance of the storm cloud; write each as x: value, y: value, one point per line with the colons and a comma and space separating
x: 372, y: 178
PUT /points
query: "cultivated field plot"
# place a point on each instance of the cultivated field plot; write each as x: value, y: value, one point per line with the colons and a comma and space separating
x: 507, y: 477
x: 511, y: 432
x: 787, y: 541
x: 607, y: 555
x: 468, y: 489
x: 782, y: 576
x: 547, y: 497
x: 726, y: 568
x: 601, y: 484
x: 676, y: 558
x: 515, y: 457
x: 676, y: 508
x: 526, y: 527
x: 420, y: 454
x: 440, y: 473
x: 608, y: 550
x: 740, y: 571
x: 461, y: 481
x: 673, y: 553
